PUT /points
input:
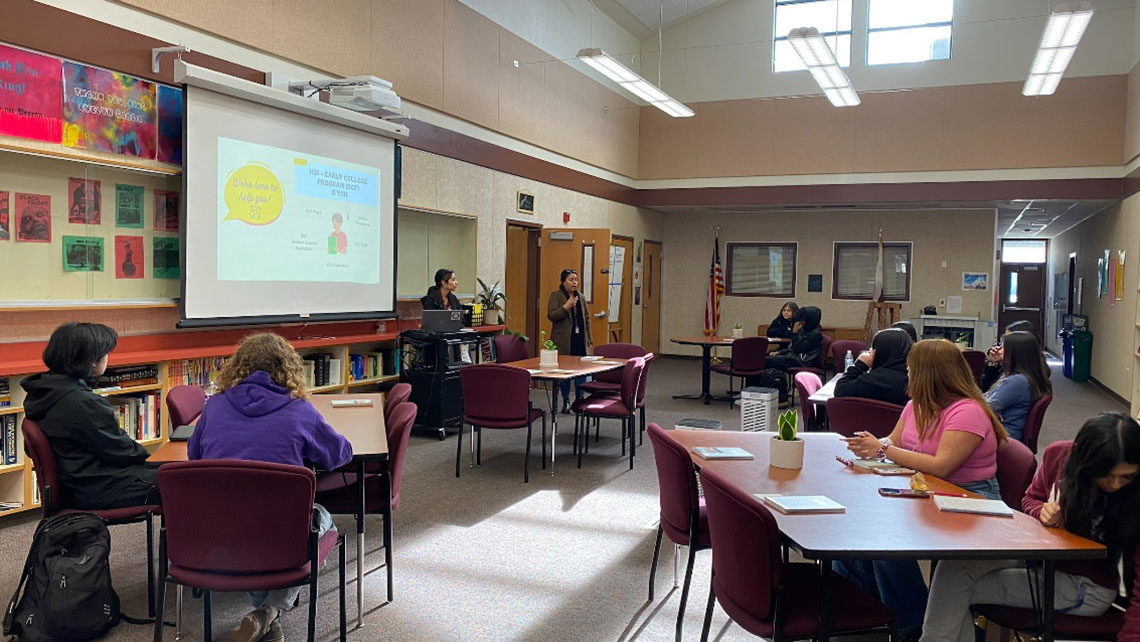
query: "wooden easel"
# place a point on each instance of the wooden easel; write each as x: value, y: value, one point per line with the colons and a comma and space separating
x: 885, y: 314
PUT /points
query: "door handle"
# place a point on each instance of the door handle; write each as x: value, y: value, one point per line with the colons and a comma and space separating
x: 601, y: 314
x: 1013, y: 308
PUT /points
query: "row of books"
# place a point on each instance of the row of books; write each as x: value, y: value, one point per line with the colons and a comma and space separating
x: 127, y: 376
x: 138, y: 414
x: 322, y: 369
x: 5, y: 393
x: 8, y: 452
x: 194, y: 372
x: 370, y: 365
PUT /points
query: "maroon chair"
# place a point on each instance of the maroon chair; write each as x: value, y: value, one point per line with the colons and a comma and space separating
x: 509, y: 347
x: 849, y: 415
x: 1016, y: 465
x: 642, y: 386
x: 1033, y: 421
x: 276, y: 546
x: 338, y: 492
x: 51, y: 498
x: 185, y: 403
x: 817, y: 365
x: 498, y: 396
x: 396, y: 396
x: 1065, y: 627
x: 976, y: 359
x: 610, y: 380
x: 607, y: 406
x: 763, y: 594
x: 748, y: 360
x: 839, y: 351
x: 807, y: 383
x: 683, y: 516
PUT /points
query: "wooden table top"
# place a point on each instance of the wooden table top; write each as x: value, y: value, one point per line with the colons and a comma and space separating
x: 877, y: 527
x: 702, y: 340
x: 569, y: 367
x: 362, y: 426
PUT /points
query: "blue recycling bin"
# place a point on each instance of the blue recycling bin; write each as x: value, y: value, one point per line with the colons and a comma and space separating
x: 1067, y: 350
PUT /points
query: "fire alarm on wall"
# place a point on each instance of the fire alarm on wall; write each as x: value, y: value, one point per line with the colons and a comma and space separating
x: 565, y: 217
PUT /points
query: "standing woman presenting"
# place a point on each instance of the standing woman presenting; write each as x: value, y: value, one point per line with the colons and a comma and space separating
x: 570, y: 329
x: 441, y: 296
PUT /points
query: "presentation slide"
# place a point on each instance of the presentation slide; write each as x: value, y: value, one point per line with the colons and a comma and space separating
x: 288, y: 216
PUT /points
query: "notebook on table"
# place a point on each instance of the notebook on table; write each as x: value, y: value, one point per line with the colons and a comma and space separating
x: 971, y: 505
x: 721, y: 452
x: 181, y: 433
x: 802, y: 504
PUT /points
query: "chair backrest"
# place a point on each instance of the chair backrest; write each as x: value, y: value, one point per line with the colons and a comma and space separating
x: 1033, y: 421
x: 399, y: 426
x: 839, y: 351
x: 806, y: 385
x: 399, y: 393
x: 745, y: 546
x: 630, y: 377
x: 510, y: 347
x: 643, y: 381
x: 823, y: 350
x: 1016, y: 465
x: 43, y: 459
x: 616, y: 351
x: 219, y: 513
x: 495, y: 392
x: 976, y: 359
x: 849, y: 415
x: 185, y: 403
x: 748, y: 354
x: 676, y: 478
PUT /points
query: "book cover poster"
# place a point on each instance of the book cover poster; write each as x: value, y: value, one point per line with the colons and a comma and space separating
x: 129, y: 257
x: 165, y: 258
x: 33, y: 218
x: 5, y: 226
x: 165, y: 211
x: 108, y: 111
x: 30, y: 86
x: 82, y: 253
x: 129, y: 205
x: 169, y: 125
x: 84, y: 201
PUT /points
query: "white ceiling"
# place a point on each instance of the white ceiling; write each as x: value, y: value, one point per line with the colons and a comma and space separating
x: 648, y: 12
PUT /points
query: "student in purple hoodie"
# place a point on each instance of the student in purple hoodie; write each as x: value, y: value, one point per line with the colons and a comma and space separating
x: 262, y: 414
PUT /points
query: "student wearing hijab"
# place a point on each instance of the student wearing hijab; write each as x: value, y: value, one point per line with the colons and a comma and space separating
x: 807, y: 341
x: 880, y: 373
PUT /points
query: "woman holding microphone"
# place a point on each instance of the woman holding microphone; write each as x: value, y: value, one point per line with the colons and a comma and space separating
x: 570, y: 326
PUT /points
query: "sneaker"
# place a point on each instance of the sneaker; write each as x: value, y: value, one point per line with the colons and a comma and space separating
x: 275, y: 633
x: 565, y: 406
x: 253, y: 626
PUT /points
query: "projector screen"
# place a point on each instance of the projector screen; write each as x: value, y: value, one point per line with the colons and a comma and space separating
x: 287, y: 216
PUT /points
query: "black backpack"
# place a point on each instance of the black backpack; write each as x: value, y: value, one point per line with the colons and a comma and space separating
x: 66, y: 585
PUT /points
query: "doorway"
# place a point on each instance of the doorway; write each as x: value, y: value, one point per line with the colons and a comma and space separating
x: 651, y: 298
x: 586, y: 250
x: 521, y: 283
x: 1021, y: 286
x: 620, y: 330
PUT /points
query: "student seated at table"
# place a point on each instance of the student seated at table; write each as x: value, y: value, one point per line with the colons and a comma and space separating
x: 880, y: 373
x: 100, y: 466
x: 1086, y: 487
x: 263, y: 414
x: 1024, y: 382
x: 783, y: 326
x: 946, y: 430
x: 805, y: 344
x: 907, y: 327
x: 993, y: 371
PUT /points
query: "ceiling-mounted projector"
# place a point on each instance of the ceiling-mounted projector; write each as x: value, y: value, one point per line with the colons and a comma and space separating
x: 358, y: 93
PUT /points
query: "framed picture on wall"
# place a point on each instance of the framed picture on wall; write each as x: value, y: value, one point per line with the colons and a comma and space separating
x: 975, y: 281
x: 525, y: 202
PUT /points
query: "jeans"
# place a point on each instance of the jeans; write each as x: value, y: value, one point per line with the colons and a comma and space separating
x: 565, y: 385
x: 958, y: 584
x: 987, y: 488
x: 285, y: 599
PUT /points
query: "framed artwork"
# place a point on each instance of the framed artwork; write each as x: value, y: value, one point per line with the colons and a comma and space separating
x: 525, y: 203
x: 975, y: 281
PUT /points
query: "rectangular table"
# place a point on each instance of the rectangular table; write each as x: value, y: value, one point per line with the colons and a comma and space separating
x: 363, y: 427
x: 569, y: 368
x: 821, y: 396
x: 876, y: 527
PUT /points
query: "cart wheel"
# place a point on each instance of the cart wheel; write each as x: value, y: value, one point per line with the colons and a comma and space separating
x: 442, y: 434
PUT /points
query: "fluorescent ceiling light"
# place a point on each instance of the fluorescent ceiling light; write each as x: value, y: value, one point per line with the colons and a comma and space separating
x: 1067, y: 23
x: 628, y: 80
x: 824, y: 68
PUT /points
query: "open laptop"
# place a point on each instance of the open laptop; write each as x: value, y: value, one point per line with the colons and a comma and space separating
x: 442, y: 320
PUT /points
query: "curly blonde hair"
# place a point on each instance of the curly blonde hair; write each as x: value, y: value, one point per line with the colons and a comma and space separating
x: 271, y: 353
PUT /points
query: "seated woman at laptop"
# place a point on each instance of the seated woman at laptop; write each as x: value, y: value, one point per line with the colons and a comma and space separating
x: 100, y: 466
x: 880, y: 373
x: 263, y: 414
x: 441, y: 296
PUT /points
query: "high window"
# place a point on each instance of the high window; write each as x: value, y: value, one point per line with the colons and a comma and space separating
x: 831, y: 17
x: 908, y: 31
x: 853, y: 271
x: 761, y: 269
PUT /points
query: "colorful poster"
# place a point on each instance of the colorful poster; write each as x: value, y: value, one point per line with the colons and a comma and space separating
x: 1120, y: 275
x: 84, y: 201
x: 108, y: 111
x: 129, y: 257
x: 129, y: 205
x: 165, y: 211
x: 5, y: 226
x: 33, y: 214
x: 169, y: 125
x: 165, y: 258
x: 1099, y: 277
x: 82, y: 253
x: 1112, y: 282
x: 30, y: 86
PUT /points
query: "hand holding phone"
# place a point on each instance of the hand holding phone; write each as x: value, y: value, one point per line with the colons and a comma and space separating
x: 903, y: 492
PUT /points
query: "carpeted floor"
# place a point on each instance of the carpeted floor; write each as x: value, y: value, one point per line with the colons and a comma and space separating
x: 486, y: 557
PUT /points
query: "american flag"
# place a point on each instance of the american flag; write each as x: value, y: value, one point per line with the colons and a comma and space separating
x: 715, y: 291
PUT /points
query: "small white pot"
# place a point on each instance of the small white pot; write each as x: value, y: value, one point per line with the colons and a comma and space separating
x: 490, y: 316
x: 738, y: 333
x: 548, y: 358
x: 786, y: 454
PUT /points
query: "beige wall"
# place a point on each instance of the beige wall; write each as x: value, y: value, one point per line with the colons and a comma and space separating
x: 1132, y: 117
x: 963, y: 239
x: 1114, y: 327
x: 443, y: 184
x: 944, y: 128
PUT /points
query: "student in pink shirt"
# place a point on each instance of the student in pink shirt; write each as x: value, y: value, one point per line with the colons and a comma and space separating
x: 946, y: 430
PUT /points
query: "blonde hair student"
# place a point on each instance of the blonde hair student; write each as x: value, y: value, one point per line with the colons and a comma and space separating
x: 271, y: 354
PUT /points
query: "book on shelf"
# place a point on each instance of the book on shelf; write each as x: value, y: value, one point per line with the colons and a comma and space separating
x: 8, y: 452
x: 5, y: 393
x: 721, y: 452
x: 802, y: 504
x: 194, y: 372
x: 972, y: 505
x: 308, y: 372
x: 138, y: 414
x: 335, y: 373
x: 126, y: 376
x: 35, y: 489
x: 10, y: 505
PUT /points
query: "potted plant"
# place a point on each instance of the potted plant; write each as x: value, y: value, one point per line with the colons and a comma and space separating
x: 787, y: 449
x: 490, y: 297
x: 737, y: 331
x: 548, y: 352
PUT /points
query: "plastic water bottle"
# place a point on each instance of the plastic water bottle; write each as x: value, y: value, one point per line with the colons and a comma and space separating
x: 848, y: 361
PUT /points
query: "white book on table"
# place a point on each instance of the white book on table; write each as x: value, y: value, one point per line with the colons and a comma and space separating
x: 971, y: 505
x: 798, y: 504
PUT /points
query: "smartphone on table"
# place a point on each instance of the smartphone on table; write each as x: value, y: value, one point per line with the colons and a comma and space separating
x: 903, y: 492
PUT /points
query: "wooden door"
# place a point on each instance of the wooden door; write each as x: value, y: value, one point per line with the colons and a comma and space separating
x: 520, y: 284
x: 1021, y: 296
x: 651, y: 298
x: 578, y: 249
x: 620, y: 329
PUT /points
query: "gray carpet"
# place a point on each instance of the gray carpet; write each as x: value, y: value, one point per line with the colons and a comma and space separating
x: 486, y: 557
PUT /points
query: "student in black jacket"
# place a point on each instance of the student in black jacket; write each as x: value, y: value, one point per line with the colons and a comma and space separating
x: 781, y: 326
x: 100, y: 466
x: 807, y: 341
x: 441, y: 296
x: 881, y: 373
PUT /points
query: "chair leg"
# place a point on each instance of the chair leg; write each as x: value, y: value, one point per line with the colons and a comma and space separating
x: 314, y: 567
x: 641, y: 435
x: 597, y: 429
x: 708, y: 613
x: 577, y: 426
x: 161, y: 597
x: 581, y: 446
x: 623, y: 435
x: 632, y: 424
x: 458, y: 450
x: 150, y: 565
x: 207, y: 623
x: 685, y: 591
x: 730, y: 392
x: 478, y: 446
x: 526, y: 463
x: 341, y: 559
x: 656, y: 555
x: 544, y: 442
